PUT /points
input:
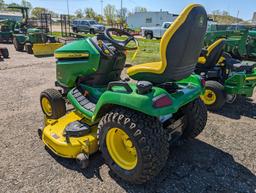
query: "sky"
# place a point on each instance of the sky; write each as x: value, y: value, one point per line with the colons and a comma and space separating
x: 245, y: 7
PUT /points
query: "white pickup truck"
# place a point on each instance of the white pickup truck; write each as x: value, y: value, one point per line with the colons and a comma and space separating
x: 155, y: 32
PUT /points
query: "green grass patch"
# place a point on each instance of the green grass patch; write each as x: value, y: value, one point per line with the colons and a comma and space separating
x: 149, y: 50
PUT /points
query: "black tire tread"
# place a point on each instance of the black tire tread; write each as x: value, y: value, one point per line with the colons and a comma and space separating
x: 196, y: 113
x: 155, y: 148
x: 5, y: 52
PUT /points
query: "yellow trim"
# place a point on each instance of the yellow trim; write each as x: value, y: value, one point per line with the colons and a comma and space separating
x: 70, y: 55
x: 46, y: 105
x: 163, y: 45
x: 250, y: 78
x: 221, y: 60
x: 201, y: 60
x: 121, y: 149
x: 209, y: 97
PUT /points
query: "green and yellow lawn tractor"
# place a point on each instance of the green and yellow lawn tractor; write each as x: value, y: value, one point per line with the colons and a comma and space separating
x: 225, y: 77
x: 131, y: 122
x: 240, y: 40
x: 6, y: 31
x: 37, y: 42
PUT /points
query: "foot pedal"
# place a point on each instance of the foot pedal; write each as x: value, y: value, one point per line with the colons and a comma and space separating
x: 76, y: 129
x: 83, y: 101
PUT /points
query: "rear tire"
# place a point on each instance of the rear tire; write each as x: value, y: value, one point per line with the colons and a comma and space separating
x: 18, y: 47
x: 196, y: 118
x: 149, y: 36
x: 52, y: 103
x: 215, y: 96
x: 146, y: 135
x: 29, y: 49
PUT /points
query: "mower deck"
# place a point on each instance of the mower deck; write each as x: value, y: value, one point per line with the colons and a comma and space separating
x: 241, y: 83
x: 54, y: 137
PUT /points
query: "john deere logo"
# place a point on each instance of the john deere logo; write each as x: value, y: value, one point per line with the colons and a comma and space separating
x: 201, y: 21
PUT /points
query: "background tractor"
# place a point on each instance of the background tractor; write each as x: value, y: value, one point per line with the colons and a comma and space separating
x: 240, y: 40
x: 34, y: 39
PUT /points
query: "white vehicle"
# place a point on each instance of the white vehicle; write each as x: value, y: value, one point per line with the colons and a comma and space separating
x: 155, y: 32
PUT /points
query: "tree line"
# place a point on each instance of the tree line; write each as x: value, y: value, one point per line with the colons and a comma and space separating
x: 111, y: 14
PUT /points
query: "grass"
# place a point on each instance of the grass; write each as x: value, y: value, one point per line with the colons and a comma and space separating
x: 148, y: 50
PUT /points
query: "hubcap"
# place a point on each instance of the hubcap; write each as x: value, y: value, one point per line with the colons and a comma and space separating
x: 46, y: 105
x: 121, y: 149
x: 209, y: 97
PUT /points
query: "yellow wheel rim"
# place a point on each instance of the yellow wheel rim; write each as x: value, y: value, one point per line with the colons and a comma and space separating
x: 46, y: 105
x: 121, y: 149
x: 209, y: 97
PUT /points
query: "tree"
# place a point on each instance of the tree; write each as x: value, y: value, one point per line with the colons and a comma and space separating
x: 99, y: 18
x: 79, y: 13
x: 25, y: 3
x: 140, y: 9
x: 90, y: 13
x: 2, y: 5
x: 109, y: 12
x: 37, y: 11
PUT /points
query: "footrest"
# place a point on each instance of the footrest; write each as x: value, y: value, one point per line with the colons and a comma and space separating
x: 83, y: 101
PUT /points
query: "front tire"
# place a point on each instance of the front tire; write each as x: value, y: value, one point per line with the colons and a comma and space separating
x: 52, y: 103
x: 134, y: 145
x: 214, y: 97
x: 92, y: 31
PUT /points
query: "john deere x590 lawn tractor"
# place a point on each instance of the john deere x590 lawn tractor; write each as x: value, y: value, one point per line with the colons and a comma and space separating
x: 131, y: 123
x: 225, y: 77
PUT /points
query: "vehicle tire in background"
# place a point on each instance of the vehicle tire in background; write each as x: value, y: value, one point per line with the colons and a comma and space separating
x: 149, y: 36
x: 134, y: 145
x: 28, y: 48
x: 214, y: 97
x: 75, y: 30
x: 18, y: 47
x: 52, y: 103
x: 5, y: 52
x: 92, y: 31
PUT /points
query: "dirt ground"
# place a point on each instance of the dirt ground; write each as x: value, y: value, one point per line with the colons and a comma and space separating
x: 222, y: 159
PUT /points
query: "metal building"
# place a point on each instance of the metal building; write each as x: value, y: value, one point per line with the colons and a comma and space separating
x: 10, y: 15
x: 149, y: 19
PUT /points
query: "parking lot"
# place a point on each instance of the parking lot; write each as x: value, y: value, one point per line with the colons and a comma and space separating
x: 221, y: 159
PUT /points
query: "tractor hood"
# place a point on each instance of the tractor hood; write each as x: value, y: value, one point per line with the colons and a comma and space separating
x: 75, y: 49
x: 76, y: 59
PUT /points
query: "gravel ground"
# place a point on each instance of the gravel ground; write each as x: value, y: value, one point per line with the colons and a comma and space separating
x: 221, y: 159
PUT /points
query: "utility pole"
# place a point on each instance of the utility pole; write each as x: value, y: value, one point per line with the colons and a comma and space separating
x: 101, y: 1
x: 68, y: 7
x: 121, y: 11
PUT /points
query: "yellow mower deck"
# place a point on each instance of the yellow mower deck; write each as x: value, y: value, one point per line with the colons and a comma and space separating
x: 45, y: 49
x: 53, y: 137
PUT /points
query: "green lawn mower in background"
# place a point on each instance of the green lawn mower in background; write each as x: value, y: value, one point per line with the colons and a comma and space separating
x: 225, y: 76
x: 240, y: 40
x: 131, y: 123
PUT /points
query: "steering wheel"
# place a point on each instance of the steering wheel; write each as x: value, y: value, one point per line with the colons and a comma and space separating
x: 121, y: 45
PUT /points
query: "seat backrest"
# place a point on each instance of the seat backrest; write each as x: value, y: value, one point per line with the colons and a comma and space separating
x: 214, y: 53
x: 182, y: 43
